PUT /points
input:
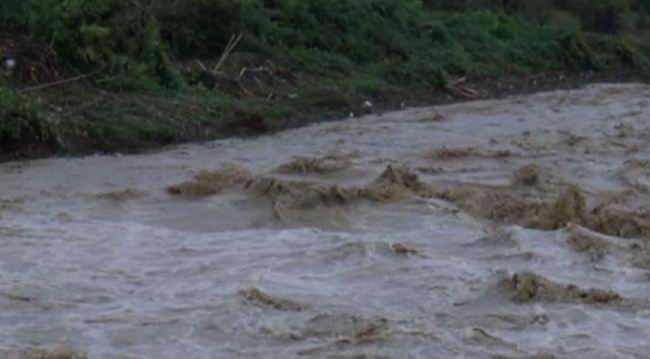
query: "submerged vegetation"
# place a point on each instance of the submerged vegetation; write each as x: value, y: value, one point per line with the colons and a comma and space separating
x: 98, y: 75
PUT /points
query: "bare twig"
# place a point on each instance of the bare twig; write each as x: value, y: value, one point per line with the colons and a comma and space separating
x: 201, y: 65
x: 231, y: 45
x: 246, y: 69
x: 241, y: 86
x: 56, y: 83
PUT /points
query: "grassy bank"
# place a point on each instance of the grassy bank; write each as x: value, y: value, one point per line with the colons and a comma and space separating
x: 112, y: 75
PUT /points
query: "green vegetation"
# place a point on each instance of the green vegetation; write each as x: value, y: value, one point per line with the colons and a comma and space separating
x: 151, y: 75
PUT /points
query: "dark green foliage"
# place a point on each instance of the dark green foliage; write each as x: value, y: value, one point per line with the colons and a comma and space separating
x: 116, y: 39
x: 340, y: 51
x: 21, y: 119
x: 122, y: 40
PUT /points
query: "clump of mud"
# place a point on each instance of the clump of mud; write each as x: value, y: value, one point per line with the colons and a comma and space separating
x: 527, y: 175
x: 330, y: 162
x: 121, y: 196
x: 447, y: 153
x: 60, y: 353
x: 209, y: 183
x: 257, y: 297
x: 530, y: 287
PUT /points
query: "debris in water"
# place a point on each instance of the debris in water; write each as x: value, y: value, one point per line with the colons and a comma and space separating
x: 123, y: 195
x: 59, y: 353
x: 446, y: 153
x: 400, y: 248
x: 480, y: 335
x: 572, y: 140
x: 256, y: 296
x: 330, y: 162
x: 529, y: 287
x: 568, y: 208
x: 299, y: 194
x: 527, y: 175
x: 502, y: 153
x: 6, y: 204
x: 614, y: 197
x: 209, y: 183
x: 372, y: 331
x: 613, y: 221
x: 13, y: 295
x: 581, y: 241
x: 534, y: 356
x: 394, y: 183
x: 436, y: 117
x: 508, y: 205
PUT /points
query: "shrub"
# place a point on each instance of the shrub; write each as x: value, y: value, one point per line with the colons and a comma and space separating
x: 22, y: 120
x: 117, y: 39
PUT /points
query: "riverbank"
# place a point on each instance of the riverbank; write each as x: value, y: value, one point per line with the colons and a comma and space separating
x: 127, y: 136
x: 78, y: 96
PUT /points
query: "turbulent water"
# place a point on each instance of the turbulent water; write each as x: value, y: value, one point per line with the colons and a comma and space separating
x: 443, y: 232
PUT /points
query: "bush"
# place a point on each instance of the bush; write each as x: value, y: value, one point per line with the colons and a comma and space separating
x: 117, y: 39
x: 21, y: 120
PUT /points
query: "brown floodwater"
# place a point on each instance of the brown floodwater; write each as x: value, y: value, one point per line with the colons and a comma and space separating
x: 513, y: 228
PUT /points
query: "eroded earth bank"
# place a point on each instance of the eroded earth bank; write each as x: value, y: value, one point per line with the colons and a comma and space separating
x: 516, y: 228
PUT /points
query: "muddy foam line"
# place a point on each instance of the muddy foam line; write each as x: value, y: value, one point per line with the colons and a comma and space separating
x: 493, y: 229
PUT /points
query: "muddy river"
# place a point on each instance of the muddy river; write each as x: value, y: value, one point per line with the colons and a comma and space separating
x: 498, y: 229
